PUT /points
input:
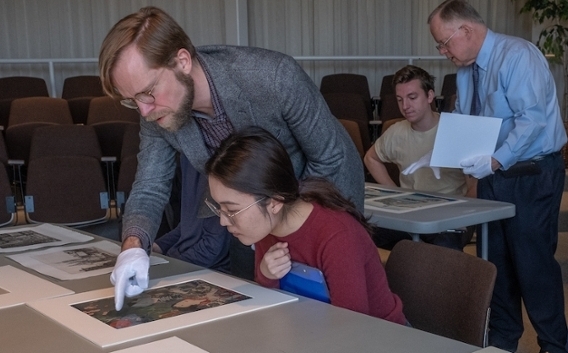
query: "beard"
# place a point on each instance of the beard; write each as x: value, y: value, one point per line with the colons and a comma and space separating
x: 183, y: 114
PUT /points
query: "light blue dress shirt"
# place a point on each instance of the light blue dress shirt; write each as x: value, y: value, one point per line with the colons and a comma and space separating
x: 517, y: 86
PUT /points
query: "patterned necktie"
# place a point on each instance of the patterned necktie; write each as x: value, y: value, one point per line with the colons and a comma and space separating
x: 475, y: 103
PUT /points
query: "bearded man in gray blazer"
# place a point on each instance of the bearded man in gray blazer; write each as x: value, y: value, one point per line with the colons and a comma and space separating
x: 191, y: 100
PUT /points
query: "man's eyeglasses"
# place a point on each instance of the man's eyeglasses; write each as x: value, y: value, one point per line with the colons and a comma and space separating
x: 445, y: 44
x: 143, y: 97
x: 229, y: 216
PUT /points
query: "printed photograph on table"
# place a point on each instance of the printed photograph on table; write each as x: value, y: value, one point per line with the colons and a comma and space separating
x: 373, y: 191
x: 408, y: 202
x: 160, y: 303
x: 82, y: 259
x: 35, y: 237
x: 75, y: 262
x: 169, y: 304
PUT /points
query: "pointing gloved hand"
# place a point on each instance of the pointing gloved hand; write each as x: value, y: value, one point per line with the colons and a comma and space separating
x: 478, y: 166
x: 130, y: 275
x: 423, y: 162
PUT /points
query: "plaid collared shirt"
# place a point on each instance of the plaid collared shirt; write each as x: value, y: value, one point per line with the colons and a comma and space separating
x: 214, y: 130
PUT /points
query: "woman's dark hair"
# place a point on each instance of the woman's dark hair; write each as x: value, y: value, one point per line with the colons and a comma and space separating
x: 253, y: 161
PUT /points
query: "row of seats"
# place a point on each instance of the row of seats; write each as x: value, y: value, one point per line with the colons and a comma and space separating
x: 106, y: 115
x: 64, y: 153
x: 77, y: 90
x: 67, y: 179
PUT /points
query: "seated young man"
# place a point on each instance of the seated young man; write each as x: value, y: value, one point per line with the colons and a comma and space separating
x: 406, y: 142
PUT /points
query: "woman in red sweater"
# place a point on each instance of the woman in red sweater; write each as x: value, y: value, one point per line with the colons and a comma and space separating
x: 257, y: 196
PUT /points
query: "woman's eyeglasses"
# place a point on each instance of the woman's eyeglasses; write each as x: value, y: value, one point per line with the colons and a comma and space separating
x: 229, y: 216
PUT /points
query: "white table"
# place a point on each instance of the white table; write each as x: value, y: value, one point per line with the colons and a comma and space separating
x: 438, y: 219
x: 304, y: 326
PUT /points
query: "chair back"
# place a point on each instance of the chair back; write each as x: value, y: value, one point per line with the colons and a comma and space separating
x: 388, y: 108
x: 27, y: 114
x: 104, y: 109
x: 349, y: 83
x: 110, y: 120
x: 448, y: 93
x: 444, y: 291
x: 128, y: 165
x: 65, y: 180
x: 350, y: 106
x: 39, y: 109
x: 18, y: 87
x: 7, y: 198
x: 353, y: 131
x: 22, y: 86
x: 82, y: 86
x: 386, y: 85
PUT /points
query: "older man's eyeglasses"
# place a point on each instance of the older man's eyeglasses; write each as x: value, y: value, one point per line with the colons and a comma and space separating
x: 444, y: 45
x: 229, y: 216
x: 143, y: 97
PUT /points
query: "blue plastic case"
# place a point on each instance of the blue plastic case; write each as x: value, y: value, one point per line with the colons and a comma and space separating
x: 307, y: 281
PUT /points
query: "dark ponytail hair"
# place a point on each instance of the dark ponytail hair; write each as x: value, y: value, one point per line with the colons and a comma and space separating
x: 253, y: 161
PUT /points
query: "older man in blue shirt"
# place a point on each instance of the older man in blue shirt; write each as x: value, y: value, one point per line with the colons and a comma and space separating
x: 515, y: 84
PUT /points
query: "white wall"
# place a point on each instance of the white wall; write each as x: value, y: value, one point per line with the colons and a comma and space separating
x: 76, y: 28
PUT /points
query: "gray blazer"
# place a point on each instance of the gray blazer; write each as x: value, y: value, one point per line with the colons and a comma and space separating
x: 256, y: 87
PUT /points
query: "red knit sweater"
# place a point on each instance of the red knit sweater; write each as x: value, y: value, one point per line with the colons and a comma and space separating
x: 339, y: 246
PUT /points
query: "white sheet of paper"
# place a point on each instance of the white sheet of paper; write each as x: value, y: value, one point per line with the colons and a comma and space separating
x: 77, y: 261
x: 463, y: 136
x: 171, y: 344
x: 20, y: 287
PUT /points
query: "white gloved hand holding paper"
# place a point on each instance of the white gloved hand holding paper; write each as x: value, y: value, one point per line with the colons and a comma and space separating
x: 478, y: 166
x: 130, y: 275
x: 423, y: 162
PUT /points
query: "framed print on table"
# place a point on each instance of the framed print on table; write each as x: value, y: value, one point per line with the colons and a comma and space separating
x: 169, y: 304
x: 77, y: 261
x: 18, y: 287
x: 40, y: 236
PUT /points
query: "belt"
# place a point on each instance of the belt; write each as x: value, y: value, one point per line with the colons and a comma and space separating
x: 545, y: 156
x: 528, y: 167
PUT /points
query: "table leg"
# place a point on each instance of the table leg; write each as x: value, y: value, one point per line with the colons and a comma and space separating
x: 415, y: 236
x: 484, y: 246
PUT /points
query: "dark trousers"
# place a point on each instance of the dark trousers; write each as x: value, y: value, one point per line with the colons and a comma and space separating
x: 522, y: 248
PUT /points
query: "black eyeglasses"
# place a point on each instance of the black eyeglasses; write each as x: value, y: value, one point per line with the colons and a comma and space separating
x: 143, y: 97
x: 229, y: 216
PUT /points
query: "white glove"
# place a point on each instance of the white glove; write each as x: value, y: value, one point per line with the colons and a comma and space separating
x: 423, y: 162
x: 478, y: 166
x: 130, y: 275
